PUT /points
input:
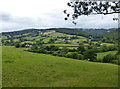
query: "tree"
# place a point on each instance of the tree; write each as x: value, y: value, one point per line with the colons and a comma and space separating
x: 72, y: 55
x: 64, y: 50
x: 17, y: 45
x: 54, y: 48
x: 104, y: 48
x: 80, y: 57
x: 88, y: 8
x: 81, y: 49
x: 90, y: 55
x: 7, y: 42
x: 118, y: 49
x: 109, y: 58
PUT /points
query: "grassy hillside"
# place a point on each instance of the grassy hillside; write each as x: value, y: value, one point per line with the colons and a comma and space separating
x: 57, y: 34
x: 21, y: 68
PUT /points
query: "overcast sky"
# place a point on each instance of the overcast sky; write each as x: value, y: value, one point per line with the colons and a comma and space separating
x: 23, y: 14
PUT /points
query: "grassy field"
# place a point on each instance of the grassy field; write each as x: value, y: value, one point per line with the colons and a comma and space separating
x: 102, y: 54
x: 49, y: 32
x: 81, y: 39
x: 57, y: 34
x: 25, y: 69
x: 62, y: 45
x: 32, y: 38
x: 46, y: 40
x: 16, y: 40
x: 107, y: 44
x: 28, y: 42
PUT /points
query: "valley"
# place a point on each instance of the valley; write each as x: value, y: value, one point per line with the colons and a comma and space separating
x: 59, y: 57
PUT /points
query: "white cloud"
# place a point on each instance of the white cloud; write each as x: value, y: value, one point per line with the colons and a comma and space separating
x: 20, y: 14
x: 31, y: 7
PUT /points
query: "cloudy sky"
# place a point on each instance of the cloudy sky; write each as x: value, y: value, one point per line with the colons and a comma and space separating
x: 23, y: 14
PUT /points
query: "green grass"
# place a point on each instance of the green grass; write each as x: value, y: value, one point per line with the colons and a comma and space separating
x: 25, y: 69
x: 32, y: 38
x: 81, y: 37
x: 102, y: 54
x: 28, y: 42
x: 108, y: 44
x: 46, y: 40
x: 59, y: 41
x: 16, y: 40
x: 78, y: 40
x: 67, y: 45
x: 57, y: 34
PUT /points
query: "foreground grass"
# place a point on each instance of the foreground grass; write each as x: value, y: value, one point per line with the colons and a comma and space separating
x: 25, y: 69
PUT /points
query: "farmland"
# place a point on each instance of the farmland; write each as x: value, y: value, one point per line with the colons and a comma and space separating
x: 26, y: 69
x: 102, y: 54
x: 59, y: 57
x: 40, y: 40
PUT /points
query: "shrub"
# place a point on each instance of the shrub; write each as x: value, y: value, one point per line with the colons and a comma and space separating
x: 109, y: 58
x: 90, y: 55
x: 115, y: 62
x: 72, y: 55
x: 54, y: 54
x: 98, y: 60
x: 17, y: 45
x: 64, y: 50
x: 80, y: 57
x: 81, y: 49
x: 72, y: 50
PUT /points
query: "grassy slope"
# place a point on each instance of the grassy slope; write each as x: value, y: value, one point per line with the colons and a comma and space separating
x: 22, y: 68
x: 57, y: 34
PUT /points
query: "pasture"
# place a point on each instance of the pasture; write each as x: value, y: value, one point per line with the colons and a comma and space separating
x: 57, y: 34
x: 26, y: 69
x: 62, y: 45
x: 102, y: 54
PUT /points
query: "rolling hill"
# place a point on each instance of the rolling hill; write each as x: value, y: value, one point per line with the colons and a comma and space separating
x: 25, y: 69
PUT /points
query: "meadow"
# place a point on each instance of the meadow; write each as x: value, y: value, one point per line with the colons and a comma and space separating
x: 26, y: 69
x: 102, y: 54
x: 62, y: 45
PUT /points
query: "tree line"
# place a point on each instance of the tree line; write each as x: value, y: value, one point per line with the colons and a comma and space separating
x: 80, y: 53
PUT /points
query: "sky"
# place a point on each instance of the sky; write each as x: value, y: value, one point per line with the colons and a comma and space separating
x: 24, y: 14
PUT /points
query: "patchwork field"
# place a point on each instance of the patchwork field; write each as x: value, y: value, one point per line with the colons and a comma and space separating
x: 57, y: 34
x: 25, y: 69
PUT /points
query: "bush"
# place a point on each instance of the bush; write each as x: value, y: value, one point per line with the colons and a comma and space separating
x: 72, y: 50
x: 109, y: 58
x: 64, y: 50
x: 72, y: 55
x: 17, y: 45
x: 81, y: 49
x: 54, y: 54
x: 98, y: 60
x: 115, y: 62
x: 80, y: 57
x: 90, y: 55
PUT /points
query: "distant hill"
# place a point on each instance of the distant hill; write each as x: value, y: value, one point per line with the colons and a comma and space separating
x: 25, y: 31
x: 112, y: 33
x: 61, y: 30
